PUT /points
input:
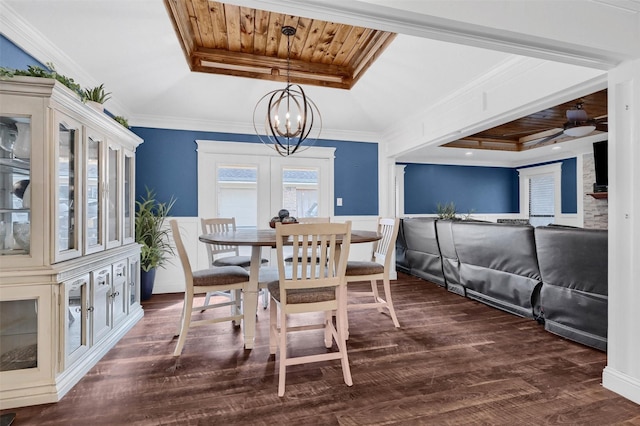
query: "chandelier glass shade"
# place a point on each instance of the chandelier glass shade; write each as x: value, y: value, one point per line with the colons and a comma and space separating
x: 290, y: 118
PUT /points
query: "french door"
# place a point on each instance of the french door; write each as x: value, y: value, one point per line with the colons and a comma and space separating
x: 252, y: 183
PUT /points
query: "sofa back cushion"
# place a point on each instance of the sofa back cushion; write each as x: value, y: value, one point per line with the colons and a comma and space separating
x: 499, y: 266
x: 422, y: 252
x: 574, y: 258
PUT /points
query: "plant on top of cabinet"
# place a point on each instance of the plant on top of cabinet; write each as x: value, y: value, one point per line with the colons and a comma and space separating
x: 120, y: 119
x: 36, y: 71
x: 97, y: 94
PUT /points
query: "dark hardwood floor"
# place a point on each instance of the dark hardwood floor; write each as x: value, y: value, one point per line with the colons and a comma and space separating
x: 453, y: 362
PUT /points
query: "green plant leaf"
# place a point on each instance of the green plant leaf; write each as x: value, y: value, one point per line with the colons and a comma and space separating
x: 150, y: 231
x: 97, y: 94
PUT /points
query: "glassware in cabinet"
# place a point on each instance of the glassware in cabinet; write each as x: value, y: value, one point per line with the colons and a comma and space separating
x: 114, y: 196
x: 67, y: 186
x: 15, y: 185
x: 94, y: 185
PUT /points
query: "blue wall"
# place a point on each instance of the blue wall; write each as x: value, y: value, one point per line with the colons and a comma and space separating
x: 12, y: 56
x: 167, y: 163
x: 476, y: 189
x: 470, y: 188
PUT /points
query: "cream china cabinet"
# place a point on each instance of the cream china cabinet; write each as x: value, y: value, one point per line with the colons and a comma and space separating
x: 69, y: 265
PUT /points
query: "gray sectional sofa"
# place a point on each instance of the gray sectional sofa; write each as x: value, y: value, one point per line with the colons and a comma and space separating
x: 555, y: 275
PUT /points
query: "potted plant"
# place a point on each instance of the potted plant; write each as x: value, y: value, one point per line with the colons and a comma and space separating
x: 123, y: 121
x: 50, y: 72
x: 446, y: 211
x: 96, y: 96
x: 153, y: 236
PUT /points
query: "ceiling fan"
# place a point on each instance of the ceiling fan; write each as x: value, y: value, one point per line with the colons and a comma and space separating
x: 578, y: 125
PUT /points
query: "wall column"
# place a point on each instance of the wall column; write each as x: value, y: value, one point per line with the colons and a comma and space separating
x: 622, y: 373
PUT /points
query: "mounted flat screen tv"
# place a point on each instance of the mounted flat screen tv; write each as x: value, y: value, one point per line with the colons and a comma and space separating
x: 600, y: 159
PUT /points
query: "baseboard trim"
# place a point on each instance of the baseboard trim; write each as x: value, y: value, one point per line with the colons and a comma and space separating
x: 621, y: 384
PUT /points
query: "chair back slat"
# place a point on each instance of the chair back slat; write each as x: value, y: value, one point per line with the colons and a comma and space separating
x: 182, y: 252
x: 388, y: 228
x: 219, y: 224
x: 323, y: 241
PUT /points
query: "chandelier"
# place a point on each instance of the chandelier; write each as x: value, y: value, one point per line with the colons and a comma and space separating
x: 290, y: 115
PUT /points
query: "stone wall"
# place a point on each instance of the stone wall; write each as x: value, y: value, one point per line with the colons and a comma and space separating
x: 596, y: 212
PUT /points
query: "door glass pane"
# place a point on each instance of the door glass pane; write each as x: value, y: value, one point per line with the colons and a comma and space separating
x: 18, y: 334
x: 300, y: 191
x: 94, y: 230
x: 238, y: 194
x: 66, y: 180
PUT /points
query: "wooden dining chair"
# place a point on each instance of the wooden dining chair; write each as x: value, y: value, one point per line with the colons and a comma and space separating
x: 227, y: 255
x: 205, y: 281
x: 378, y: 268
x: 326, y: 219
x: 314, y: 284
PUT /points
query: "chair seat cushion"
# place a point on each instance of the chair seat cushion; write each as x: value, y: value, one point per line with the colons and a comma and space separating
x: 363, y: 268
x: 303, y: 295
x: 222, y: 275
x: 242, y: 261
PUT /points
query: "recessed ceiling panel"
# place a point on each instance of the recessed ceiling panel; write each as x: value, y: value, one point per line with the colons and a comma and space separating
x: 221, y: 38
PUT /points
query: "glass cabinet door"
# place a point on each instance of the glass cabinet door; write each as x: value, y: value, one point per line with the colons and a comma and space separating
x: 15, y: 187
x: 114, y: 197
x: 68, y: 235
x: 100, y: 304
x: 19, y: 334
x: 119, y: 305
x: 134, y: 281
x: 94, y: 192
x: 76, y: 318
x: 129, y: 200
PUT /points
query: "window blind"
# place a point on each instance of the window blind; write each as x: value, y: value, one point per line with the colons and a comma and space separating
x: 541, y: 200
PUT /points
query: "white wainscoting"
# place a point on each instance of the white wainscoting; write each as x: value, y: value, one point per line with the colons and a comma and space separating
x: 170, y: 279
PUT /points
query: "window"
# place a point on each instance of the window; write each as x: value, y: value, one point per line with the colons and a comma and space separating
x: 540, y: 193
x: 252, y: 182
x: 541, y: 200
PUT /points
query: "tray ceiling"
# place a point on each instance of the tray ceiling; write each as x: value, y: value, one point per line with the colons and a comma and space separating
x: 531, y: 131
x: 225, y: 39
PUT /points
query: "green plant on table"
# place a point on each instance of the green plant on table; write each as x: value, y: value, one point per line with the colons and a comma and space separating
x: 446, y: 211
x: 150, y: 231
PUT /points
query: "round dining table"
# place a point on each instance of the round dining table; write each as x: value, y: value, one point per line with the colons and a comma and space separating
x: 256, y: 239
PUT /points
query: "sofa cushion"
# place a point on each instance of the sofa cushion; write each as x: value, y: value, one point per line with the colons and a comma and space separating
x: 422, y: 252
x: 574, y: 269
x: 498, y: 265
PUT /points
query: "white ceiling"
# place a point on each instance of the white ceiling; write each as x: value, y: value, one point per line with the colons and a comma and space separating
x: 131, y: 47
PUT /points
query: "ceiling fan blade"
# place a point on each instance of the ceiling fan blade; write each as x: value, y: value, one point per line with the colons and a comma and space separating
x: 541, y: 140
x: 522, y: 132
x: 540, y: 135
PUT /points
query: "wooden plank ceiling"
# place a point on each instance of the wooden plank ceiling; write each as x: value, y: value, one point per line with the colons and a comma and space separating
x: 221, y: 38
x: 536, y: 130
